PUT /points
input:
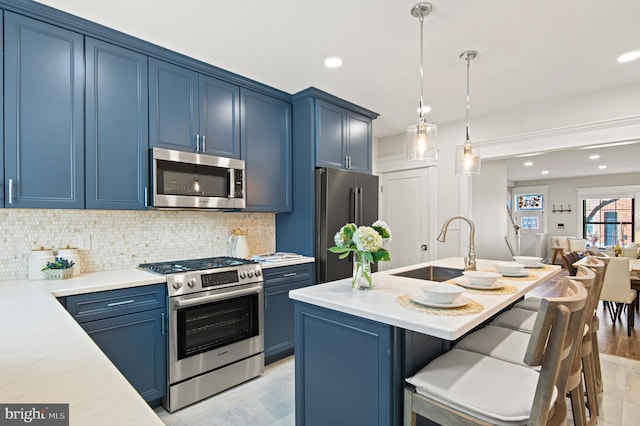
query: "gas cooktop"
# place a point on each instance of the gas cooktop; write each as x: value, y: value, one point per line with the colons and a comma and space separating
x: 191, y: 265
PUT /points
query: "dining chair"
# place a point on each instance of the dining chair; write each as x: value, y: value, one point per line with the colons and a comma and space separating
x: 462, y: 387
x: 510, y: 345
x: 568, y: 260
x: 578, y: 245
x: 617, y: 291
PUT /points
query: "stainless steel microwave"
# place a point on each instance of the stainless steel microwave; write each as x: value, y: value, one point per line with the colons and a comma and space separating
x: 186, y: 180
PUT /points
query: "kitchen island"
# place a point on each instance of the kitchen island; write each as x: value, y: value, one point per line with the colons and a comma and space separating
x: 355, y: 348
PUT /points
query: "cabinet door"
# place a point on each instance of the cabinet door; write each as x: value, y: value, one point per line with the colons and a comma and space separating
x: 136, y: 345
x: 117, y: 138
x: 278, y: 308
x: 266, y: 150
x: 359, y: 142
x: 173, y: 103
x: 4, y: 182
x: 330, y: 135
x: 44, y: 115
x: 219, y: 117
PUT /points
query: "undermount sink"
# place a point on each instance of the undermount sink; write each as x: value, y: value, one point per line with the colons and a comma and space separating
x: 432, y: 273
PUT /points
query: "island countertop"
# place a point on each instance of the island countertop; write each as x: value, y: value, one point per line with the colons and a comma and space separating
x: 380, y: 304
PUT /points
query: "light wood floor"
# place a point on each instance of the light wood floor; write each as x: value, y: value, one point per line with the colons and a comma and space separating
x: 612, y: 337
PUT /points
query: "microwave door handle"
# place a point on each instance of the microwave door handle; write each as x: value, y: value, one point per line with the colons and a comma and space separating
x: 231, y: 187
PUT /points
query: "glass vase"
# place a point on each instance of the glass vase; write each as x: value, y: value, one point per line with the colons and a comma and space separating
x: 361, y: 279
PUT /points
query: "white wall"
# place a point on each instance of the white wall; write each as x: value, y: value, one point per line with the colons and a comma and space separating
x: 564, y: 191
x: 588, y: 118
x: 489, y: 211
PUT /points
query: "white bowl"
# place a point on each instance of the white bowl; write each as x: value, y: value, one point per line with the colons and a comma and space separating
x: 528, y: 260
x: 483, y: 278
x: 509, y: 267
x: 442, y: 293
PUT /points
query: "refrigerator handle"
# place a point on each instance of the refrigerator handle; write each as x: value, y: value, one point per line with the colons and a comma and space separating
x: 356, y: 206
x: 360, y: 204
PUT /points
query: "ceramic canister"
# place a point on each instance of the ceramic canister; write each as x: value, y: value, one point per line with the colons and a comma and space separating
x: 72, y: 255
x: 37, y: 260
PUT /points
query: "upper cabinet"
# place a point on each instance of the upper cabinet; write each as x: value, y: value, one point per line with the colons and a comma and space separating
x: 192, y: 112
x: 343, y: 138
x: 44, y: 115
x: 266, y: 150
x: 117, y: 140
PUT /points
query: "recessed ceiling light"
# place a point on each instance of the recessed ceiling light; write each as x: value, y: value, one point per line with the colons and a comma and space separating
x: 426, y: 109
x: 545, y: 172
x: 528, y: 163
x: 594, y: 157
x: 333, y: 62
x: 629, y: 56
x: 602, y: 167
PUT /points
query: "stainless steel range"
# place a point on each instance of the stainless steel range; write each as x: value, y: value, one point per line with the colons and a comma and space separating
x: 216, y: 330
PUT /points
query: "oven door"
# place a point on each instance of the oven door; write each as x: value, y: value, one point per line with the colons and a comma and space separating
x: 214, y: 328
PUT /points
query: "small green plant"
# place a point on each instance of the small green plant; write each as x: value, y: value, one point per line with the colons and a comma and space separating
x: 59, y: 263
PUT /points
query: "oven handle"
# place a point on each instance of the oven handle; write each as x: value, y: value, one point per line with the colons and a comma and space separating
x: 216, y: 297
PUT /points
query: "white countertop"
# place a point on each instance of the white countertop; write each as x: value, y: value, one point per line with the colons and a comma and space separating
x: 46, y: 357
x: 380, y: 303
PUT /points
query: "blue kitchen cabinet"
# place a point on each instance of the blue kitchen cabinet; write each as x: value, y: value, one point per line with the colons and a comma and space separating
x: 130, y: 326
x: 322, y: 126
x: 330, y: 135
x: 116, y: 126
x: 343, y: 138
x: 345, y: 370
x: 219, y: 103
x: 266, y: 150
x: 192, y: 112
x: 44, y: 115
x: 2, y: 121
x: 279, y: 309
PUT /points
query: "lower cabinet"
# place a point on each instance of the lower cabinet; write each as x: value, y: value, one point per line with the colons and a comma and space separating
x: 129, y: 326
x: 279, y: 309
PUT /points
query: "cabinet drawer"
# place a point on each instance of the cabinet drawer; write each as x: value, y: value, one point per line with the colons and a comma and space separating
x: 287, y: 274
x: 105, y: 304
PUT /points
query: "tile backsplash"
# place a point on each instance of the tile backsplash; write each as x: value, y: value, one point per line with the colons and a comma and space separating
x: 124, y: 239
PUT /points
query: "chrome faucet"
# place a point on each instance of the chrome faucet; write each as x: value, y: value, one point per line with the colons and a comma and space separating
x: 469, y: 261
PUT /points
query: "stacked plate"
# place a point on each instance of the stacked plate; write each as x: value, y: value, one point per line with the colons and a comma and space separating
x: 511, y: 269
x: 480, y: 280
x: 438, y: 295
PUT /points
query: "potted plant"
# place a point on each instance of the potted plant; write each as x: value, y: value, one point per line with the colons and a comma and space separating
x: 59, y: 269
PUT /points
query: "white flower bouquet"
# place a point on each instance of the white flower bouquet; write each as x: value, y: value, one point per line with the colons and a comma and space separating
x: 368, y: 244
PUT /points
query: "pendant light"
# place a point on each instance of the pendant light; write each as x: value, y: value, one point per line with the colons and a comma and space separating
x: 421, y: 137
x: 468, y: 156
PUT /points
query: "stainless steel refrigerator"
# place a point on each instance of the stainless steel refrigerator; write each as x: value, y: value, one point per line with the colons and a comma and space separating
x: 341, y: 197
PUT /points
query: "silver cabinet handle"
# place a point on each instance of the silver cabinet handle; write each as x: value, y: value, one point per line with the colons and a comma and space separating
x: 124, y: 302
x: 146, y: 196
x: 291, y: 274
x: 197, y: 143
x: 204, y: 143
x: 346, y: 161
x: 10, y: 191
x: 162, y: 320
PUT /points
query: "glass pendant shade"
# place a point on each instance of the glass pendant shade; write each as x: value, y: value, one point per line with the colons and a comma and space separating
x: 467, y: 160
x: 421, y: 142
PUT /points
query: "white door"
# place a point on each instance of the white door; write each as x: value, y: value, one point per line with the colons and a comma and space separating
x: 404, y: 206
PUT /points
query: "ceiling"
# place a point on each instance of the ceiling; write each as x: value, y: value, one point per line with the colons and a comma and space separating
x: 576, y: 163
x: 528, y: 51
